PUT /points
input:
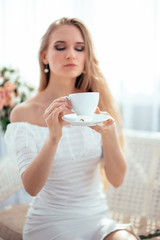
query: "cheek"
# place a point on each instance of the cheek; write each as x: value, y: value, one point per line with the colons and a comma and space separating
x: 57, y: 54
x: 55, y: 57
x: 82, y: 59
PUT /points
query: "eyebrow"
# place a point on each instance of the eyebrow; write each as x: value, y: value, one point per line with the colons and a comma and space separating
x: 65, y: 42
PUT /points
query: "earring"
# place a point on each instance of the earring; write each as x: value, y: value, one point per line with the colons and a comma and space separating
x: 46, y: 68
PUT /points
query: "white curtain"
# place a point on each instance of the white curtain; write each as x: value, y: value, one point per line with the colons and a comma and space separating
x: 126, y: 36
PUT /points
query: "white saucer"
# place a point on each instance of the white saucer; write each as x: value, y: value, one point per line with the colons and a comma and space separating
x: 85, y: 120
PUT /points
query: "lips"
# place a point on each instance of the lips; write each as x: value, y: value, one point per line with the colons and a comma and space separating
x: 70, y: 65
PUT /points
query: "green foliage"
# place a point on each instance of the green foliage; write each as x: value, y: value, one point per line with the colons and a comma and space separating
x: 12, y: 92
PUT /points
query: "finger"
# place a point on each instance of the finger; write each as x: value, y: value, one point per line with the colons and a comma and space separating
x: 48, y: 118
x: 96, y: 128
x: 67, y: 111
x: 57, y: 112
x: 110, y: 120
x: 58, y: 100
x: 68, y: 101
x: 56, y: 105
x: 49, y: 114
x: 97, y: 110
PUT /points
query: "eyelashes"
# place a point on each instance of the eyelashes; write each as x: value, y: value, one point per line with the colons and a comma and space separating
x: 80, y: 49
x: 62, y: 48
x: 59, y: 48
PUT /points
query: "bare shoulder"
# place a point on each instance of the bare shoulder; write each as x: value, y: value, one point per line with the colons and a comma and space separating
x: 30, y: 111
x: 22, y: 112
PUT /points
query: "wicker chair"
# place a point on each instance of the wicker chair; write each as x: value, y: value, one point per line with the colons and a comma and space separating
x: 137, y: 200
x: 12, y: 218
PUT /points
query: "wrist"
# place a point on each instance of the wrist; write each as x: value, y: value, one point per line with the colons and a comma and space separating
x: 53, y: 140
x: 110, y: 136
x: 109, y: 131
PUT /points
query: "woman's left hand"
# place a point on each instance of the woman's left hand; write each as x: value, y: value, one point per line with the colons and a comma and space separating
x: 115, y: 166
x: 108, y: 126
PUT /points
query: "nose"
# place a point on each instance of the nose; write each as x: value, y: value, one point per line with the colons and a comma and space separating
x: 70, y: 54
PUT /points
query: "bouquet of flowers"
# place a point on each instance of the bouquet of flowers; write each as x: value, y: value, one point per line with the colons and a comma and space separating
x: 12, y: 92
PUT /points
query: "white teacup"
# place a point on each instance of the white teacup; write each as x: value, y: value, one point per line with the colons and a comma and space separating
x: 84, y: 104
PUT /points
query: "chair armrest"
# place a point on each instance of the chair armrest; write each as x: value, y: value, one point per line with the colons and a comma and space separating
x: 10, y: 180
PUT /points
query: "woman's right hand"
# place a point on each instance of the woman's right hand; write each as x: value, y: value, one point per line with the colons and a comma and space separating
x: 53, y: 117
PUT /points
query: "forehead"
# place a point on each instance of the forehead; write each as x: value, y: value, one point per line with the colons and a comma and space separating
x: 68, y: 33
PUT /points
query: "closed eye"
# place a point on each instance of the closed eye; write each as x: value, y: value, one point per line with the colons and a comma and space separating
x: 60, y: 48
x: 80, y: 49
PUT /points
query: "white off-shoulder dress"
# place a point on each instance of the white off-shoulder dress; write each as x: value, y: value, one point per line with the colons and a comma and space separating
x: 72, y: 204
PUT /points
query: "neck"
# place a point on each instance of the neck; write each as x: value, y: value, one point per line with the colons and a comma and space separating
x: 60, y: 87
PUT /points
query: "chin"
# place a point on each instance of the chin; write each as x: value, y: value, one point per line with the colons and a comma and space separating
x: 71, y: 75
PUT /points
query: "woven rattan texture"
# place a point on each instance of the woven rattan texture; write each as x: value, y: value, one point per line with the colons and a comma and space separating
x: 10, y: 180
x: 137, y: 200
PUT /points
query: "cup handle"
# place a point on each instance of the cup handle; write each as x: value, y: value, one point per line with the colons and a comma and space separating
x: 68, y: 99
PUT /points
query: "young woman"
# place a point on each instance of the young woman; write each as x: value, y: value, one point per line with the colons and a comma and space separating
x: 59, y: 163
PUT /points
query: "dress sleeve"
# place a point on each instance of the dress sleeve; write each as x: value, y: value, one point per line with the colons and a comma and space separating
x: 21, y: 144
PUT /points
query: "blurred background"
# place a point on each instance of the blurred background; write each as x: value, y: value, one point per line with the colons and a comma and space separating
x: 126, y: 37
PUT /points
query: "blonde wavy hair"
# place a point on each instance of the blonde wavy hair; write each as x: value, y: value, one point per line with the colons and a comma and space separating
x: 91, y: 80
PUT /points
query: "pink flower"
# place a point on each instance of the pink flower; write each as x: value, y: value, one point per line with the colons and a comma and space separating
x: 2, y: 97
x: 10, y: 86
x: 6, y: 94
